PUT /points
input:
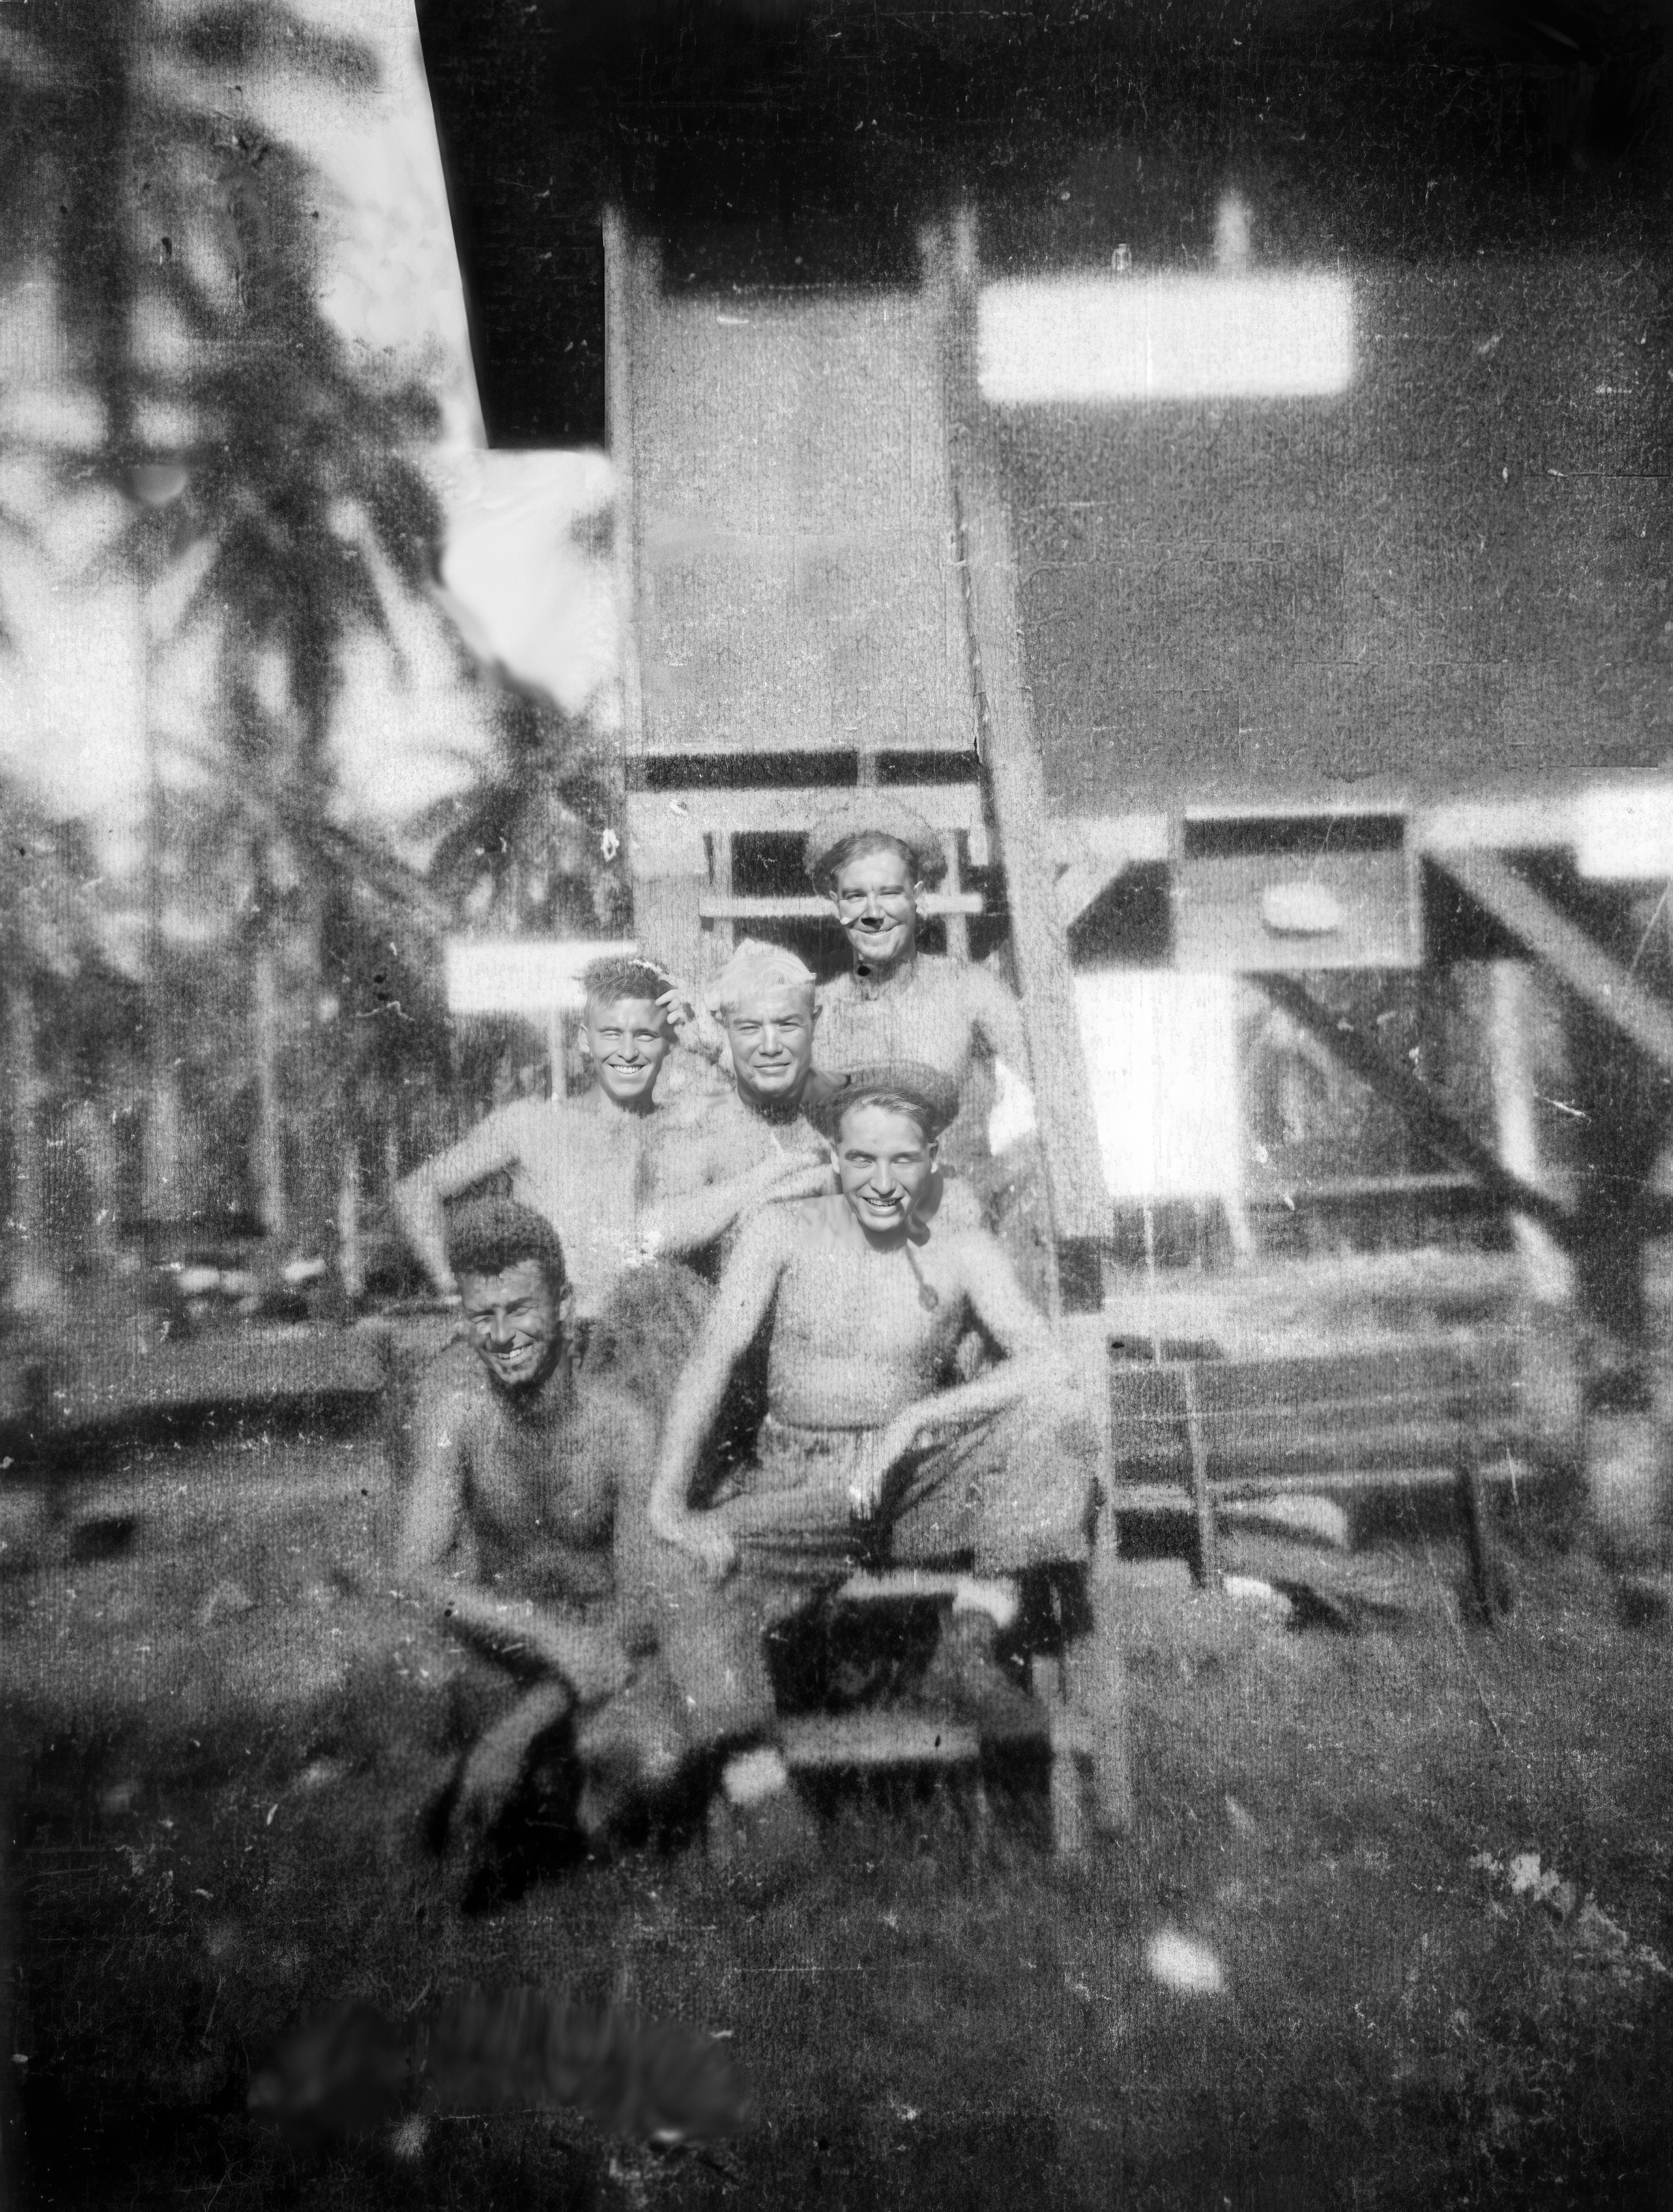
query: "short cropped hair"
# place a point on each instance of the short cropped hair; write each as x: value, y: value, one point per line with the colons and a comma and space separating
x: 618, y: 976
x: 492, y: 1234
x: 756, y: 966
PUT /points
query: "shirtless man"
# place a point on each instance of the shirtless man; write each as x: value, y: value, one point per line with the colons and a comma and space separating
x: 865, y: 1451
x: 525, y: 1525
x: 717, y: 1158
x: 874, y: 860
x: 578, y: 1162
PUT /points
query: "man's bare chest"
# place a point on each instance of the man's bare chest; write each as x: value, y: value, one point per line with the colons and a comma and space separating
x: 902, y: 1308
x: 529, y: 1482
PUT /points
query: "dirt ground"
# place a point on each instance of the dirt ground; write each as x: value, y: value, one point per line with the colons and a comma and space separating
x: 1393, y: 1930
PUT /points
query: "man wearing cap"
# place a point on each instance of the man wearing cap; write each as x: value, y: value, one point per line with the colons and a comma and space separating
x: 866, y: 1451
x: 874, y: 860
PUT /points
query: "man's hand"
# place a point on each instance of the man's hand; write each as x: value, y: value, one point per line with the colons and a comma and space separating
x: 595, y: 1667
x: 865, y: 1485
x: 696, y: 1029
x: 881, y: 1449
x: 701, y: 1534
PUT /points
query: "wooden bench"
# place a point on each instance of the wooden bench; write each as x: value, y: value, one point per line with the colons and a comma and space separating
x: 1426, y: 1413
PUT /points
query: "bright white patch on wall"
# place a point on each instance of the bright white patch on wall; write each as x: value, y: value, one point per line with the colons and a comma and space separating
x: 1232, y: 334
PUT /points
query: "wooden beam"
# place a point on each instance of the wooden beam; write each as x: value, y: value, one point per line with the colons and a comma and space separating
x: 795, y: 906
x: 945, y: 806
x: 623, y: 287
x: 1079, y: 1198
x: 1570, y: 953
x: 839, y: 1741
x: 1359, y: 1052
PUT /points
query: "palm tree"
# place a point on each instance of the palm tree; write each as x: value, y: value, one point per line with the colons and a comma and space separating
x: 48, y: 931
x: 533, y: 845
x: 181, y: 246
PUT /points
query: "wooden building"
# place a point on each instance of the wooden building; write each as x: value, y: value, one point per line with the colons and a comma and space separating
x: 1359, y: 670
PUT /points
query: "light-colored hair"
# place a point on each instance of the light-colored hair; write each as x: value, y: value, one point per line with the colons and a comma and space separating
x: 755, y: 967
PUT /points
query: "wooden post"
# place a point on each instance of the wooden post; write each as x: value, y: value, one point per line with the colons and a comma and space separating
x: 1579, y: 961
x: 1094, y: 1677
x: 958, y: 929
x: 1202, y: 1496
x: 624, y: 283
x: 1079, y: 1201
x: 1359, y: 1052
x: 1549, y: 1276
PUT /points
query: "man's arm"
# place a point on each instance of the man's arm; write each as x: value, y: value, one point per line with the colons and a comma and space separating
x: 435, y: 1503
x: 996, y: 1017
x: 622, y: 1436
x: 496, y: 1142
x: 741, y: 1305
x: 1032, y: 1362
x: 685, y: 1223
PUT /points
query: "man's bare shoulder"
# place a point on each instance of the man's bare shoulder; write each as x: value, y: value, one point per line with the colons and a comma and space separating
x: 770, y: 1234
x: 454, y: 1384
x: 517, y: 1120
x: 963, y: 1244
x: 986, y: 987
x: 607, y: 1422
x: 958, y: 1205
x: 808, y: 1224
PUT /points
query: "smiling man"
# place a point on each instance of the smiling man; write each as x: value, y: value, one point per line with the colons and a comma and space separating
x: 875, y: 859
x: 525, y: 1523
x: 714, y: 1161
x: 867, y: 1449
x: 579, y: 1162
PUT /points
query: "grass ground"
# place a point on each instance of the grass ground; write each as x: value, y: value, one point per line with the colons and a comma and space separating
x: 219, y: 1742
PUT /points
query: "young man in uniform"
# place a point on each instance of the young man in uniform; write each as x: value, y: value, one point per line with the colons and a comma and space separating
x: 867, y: 1451
x: 525, y: 1527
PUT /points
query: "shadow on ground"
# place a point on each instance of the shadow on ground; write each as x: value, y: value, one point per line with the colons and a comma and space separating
x: 1308, y: 1979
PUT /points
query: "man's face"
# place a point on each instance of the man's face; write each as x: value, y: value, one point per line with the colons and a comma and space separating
x: 628, y: 1043
x: 884, y: 1161
x: 771, y: 1036
x: 516, y: 1323
x: 876, y: 904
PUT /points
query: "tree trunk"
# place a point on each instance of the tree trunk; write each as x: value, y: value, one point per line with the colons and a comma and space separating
x: 270, y: 1139
x: 162, y: 1198
x: 35, y: 1281
x: 351, y: 1257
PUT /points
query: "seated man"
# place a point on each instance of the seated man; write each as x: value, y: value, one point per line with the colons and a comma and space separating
x: 578, y: 1162
x: 540, y: 1482
x: 865, y: 1450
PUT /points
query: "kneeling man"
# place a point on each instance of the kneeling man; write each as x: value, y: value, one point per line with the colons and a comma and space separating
x: 867, y: 1451
x: 526, y: 1522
